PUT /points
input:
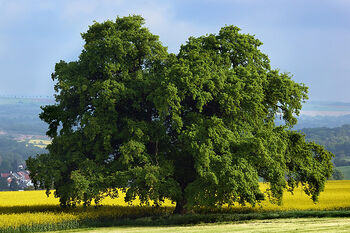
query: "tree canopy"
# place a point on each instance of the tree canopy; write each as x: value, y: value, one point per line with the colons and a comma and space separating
x: 195, y: 127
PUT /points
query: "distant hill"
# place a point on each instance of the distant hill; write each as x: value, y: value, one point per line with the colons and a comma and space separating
x: 322, y: 114
x: 19, y: 120
x: 21, y: 116
x: 13, y: 153
x: 328, y: 124
x: 336, y: 140
x: 329, y: 121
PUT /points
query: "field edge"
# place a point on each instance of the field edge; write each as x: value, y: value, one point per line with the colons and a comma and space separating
x: 177, y: 220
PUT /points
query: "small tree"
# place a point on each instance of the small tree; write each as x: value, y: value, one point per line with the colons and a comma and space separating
x: 14, y: 185
x: 3, y: 184
x: 337, y: 174
x: 196, y: 127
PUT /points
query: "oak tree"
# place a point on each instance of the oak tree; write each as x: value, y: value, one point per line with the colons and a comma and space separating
x: 195, y: 127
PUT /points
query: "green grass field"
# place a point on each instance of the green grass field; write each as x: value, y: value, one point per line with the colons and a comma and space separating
x: 346, y: 171
x: 275, y: 225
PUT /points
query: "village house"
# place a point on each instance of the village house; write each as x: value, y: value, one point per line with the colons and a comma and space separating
x: 21, y: 177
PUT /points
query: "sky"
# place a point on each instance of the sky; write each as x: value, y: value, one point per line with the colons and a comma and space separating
x: 309, y: 39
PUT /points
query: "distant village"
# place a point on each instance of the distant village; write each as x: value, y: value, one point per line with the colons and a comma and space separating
x: 16, y: 180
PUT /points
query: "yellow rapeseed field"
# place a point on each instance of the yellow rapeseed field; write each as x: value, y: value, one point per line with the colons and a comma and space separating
x: 335, y: 196
x: 39, y: 142
x: 33, y: 207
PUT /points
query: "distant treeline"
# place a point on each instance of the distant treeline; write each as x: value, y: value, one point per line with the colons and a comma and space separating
x: 336, y: 140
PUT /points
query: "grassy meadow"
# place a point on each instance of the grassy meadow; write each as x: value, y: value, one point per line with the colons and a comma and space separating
x: 275, y: 225
x: 33, y: 211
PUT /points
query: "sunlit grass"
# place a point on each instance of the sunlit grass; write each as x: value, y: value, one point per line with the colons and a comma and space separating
x: 330, y: 225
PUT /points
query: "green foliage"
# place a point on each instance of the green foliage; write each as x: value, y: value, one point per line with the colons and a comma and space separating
x: 196, y: 127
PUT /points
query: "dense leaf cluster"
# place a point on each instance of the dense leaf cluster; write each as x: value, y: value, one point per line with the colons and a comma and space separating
x: 196, y: 127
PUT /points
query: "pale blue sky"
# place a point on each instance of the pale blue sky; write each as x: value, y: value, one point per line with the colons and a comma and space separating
x: 308, y: 38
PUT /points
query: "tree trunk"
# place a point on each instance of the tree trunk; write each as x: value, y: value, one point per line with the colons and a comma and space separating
x: 180, y: 204
x: 180, y: 207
